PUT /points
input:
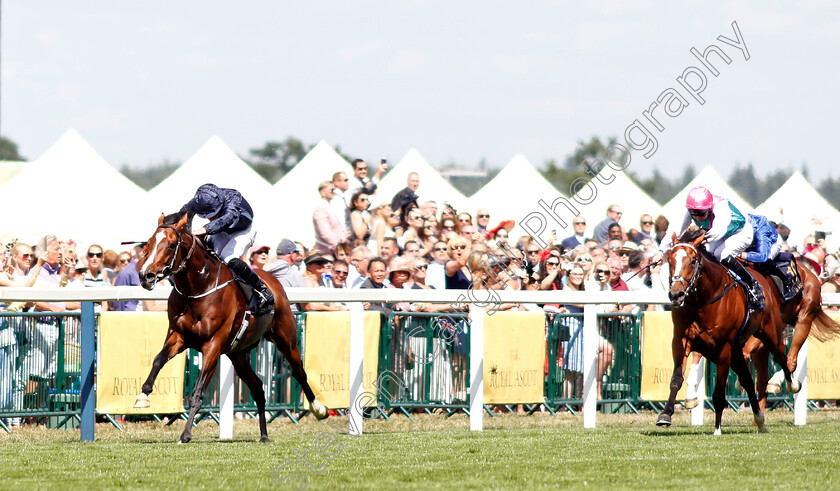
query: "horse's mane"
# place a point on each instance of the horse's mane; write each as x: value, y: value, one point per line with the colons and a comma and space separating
x: 690, y: 235
x: 175, y: 218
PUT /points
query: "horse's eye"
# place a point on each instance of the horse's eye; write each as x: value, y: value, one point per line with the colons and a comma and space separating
x: 171, y: 245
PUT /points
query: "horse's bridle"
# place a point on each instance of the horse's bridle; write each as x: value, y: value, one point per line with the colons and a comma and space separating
x: 171, y: 270
x: 691, y: 284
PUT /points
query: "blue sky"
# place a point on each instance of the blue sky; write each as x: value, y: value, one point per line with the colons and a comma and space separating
x: 459, y: 81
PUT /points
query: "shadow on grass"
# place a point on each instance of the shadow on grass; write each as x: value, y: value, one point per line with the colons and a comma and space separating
x: 697, y: 431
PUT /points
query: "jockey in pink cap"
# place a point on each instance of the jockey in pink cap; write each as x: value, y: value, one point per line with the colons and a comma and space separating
x: 728, y: 234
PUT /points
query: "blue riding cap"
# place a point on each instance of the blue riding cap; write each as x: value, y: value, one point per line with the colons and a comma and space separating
x: 207, y: 201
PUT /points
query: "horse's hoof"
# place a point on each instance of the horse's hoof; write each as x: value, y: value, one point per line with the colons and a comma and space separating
x: 773, y: 388
x: 265, y: 439
x: 185, y: 439
x: 691, y: 403
x: 664, y: 420
x: 717, y: 432
x: 142, y: 402
x: 738, y: 386
x: 794, y: 386
x: 762, y: 429
x: 319, y: 410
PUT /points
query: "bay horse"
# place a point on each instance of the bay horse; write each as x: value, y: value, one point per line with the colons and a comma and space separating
x: 803, y: 312
x: 206, y: 309
x: 709, y: 311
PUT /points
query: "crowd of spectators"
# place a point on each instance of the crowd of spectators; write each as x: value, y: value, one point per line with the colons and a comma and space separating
x: 365, y: 240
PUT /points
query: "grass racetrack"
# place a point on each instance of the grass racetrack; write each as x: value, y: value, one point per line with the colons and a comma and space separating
x: 514, y: 452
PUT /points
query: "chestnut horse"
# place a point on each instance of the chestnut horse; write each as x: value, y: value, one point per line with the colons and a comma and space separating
x: 206, y: 309
x: 710, y: 309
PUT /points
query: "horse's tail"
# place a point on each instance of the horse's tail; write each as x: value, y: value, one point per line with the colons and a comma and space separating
x: 825, y: 328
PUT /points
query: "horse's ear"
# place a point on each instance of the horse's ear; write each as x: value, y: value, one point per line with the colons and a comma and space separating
x: 673, y: 237
x: 160, y: 220
x: 699, y: 240
x: 184, y: 220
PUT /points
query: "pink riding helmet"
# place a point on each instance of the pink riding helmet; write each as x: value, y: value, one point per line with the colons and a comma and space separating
x: 699, y: 198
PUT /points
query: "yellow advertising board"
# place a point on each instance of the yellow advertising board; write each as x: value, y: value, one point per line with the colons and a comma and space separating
x: 657, y: 360
x: 824, y: 367
x: 327, y: 356
x: 128, y: 343
x: 514, y: 357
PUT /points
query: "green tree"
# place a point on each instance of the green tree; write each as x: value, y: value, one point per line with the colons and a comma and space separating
x: 591, y: 152
x: 9, y: 150
x: 745, y: 183
x: 277, y: 157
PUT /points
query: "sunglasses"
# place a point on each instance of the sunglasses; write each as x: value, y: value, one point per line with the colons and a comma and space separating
x: 580, y: 223
x: 483, y: 216
x: 340, y: 273
x: 439, y: 249
x: 459, y: 247
x: 605, y: 271
x: 581, y: 259
x: 449, y: 227
x: 807, y: 244
x: 647, y: 223
x: 125, y: 261
x: 464, y: 220
x: 502, y: 236
x: 94, y: 254
x: 261, y: 252
x: 698, y: 213
x: 552, y: 263
x: 422, y: 267
x: 26, y: 256
x: 533, y: 252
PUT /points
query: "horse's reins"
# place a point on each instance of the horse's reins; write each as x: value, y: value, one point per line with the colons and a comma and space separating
x: 173, y: 270
x: 692, y: 287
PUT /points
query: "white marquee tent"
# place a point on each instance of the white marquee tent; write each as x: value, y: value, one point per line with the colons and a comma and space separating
x: 613, y: 187
x: 514, y: 194
x: 9, y: 169
x: 674, y: 210
x: 296, y: 194
x: 213, y: 163
x: 799, y: 206
x: 74, y: 193
x: 433, y: 186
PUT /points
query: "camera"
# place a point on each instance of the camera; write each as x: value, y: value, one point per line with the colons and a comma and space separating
x: 599, y: 277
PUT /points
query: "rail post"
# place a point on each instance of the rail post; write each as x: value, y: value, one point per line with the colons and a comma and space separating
x: 476, y: 367
x: 357, y: 355
x: 88, y: 355
x: 697, y: 412
x: 800, y: 399
x: 590, y: 363
x: 225, y: 398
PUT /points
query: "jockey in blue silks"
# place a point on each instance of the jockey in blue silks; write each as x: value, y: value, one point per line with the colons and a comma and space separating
x: 230, y: 234
x: 764, y: 249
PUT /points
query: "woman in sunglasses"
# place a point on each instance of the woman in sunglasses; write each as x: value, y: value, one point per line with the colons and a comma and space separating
x: 728, y: 234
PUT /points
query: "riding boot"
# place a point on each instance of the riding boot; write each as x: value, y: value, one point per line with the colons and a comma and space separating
x: 787, y: 285
x: 265, y: 299
x: 755, y: 293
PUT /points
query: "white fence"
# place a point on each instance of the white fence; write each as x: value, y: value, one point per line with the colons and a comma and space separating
x: 480, y: 300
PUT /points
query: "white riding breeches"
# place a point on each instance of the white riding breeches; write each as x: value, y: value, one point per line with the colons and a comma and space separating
x: 235, y: 245
x: 734, y: 244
